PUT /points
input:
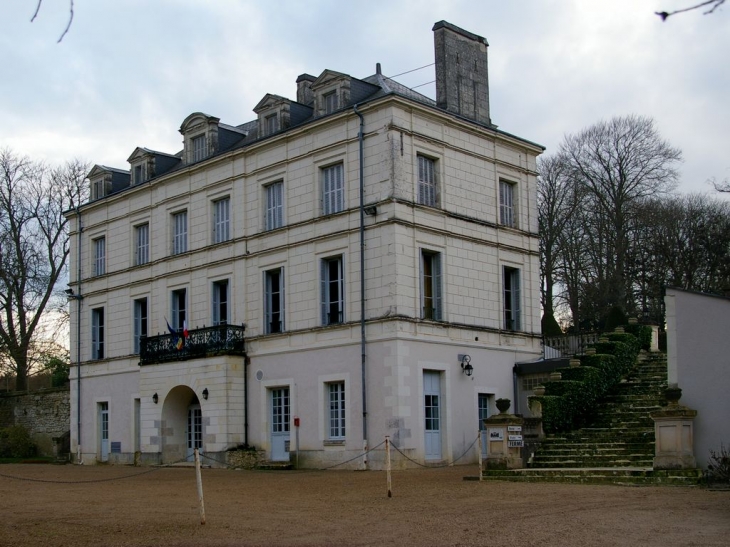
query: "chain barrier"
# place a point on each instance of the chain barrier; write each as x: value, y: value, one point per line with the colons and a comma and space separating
x: 449, y: 464
x: 352, y: 459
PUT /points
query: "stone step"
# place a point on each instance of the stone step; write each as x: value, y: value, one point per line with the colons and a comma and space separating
x: 618, y: 476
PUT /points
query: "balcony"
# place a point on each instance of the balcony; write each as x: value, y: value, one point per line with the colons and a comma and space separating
x: 205, y: 342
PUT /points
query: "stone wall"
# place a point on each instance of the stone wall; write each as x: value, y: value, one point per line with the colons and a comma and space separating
x: 45, y: 414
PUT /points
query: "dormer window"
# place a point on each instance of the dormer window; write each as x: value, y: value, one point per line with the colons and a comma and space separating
x: 330, y: 102
x: 199, y: 148
x: 138, y: 174
x: 274, y: 114
x: 272, y: 124
x: 97, y: 188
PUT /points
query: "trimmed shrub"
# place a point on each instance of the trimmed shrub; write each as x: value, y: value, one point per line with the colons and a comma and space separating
x: 615, y: 318
x: 15, y: 442
x: 550, y: 326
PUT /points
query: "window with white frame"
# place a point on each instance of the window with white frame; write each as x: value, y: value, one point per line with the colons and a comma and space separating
x: 178, y: 308
x: 140, y: 321
x: 272, y: 123
x: 333, y: 291
x: 511, y: 303
x: 220, y: 302
x: 221, y: 220
x: 138, y: 174
x: 141, y: 244
x: 97, y: 333
x: 483, y: 409
x: 431, y: 286
x: 100, y: 256
x: 275, y: 205
x: 507, y: 203
x: 330, y: 102
x: 179, y: 232
x: 97, y: 188
x: 274, y: 301
x: 427, y: 184
x: 333, y: 189
x: 200, y: 151
x: 336, y: 411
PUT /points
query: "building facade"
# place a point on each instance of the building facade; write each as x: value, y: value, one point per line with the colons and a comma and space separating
x: 313, y: 280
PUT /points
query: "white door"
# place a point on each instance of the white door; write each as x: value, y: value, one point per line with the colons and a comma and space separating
x: 280, y: 417
x: 194, y: 430
x: 432, y: 413
x: 104, y: 431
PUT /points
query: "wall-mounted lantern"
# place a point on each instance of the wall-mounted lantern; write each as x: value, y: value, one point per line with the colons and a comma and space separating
x: 205, y: 394
x: 465, y: 361
x: 155, y: 398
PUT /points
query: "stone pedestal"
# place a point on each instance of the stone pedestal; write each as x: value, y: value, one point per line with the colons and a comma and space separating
x: 673, y: 429
x: 505, y: 439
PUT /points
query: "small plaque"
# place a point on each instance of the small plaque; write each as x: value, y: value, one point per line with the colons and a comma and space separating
x: 514, y: 428
x: 515, y: 437
x: 496, y: 434
x: 116, y: 447
x: 515, y: 444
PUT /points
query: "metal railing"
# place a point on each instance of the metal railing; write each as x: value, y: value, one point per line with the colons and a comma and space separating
x: 568, y: 345
x: 218, y: 340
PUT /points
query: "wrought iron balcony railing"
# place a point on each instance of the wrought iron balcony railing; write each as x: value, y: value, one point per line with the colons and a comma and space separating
x: 219, y: 340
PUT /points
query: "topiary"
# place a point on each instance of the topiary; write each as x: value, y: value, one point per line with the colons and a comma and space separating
x: 550, y: 326
x: 615, y: 318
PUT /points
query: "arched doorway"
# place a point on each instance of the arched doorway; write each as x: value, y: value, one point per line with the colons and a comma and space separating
x: 181, y: 428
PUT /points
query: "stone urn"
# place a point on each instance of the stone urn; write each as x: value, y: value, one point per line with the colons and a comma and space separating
x: 673, y: 394
x: 539, y: 391
x: 503, y: 405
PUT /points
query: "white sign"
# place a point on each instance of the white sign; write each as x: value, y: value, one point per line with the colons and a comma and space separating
x: 514, y: 428
x: 515, y: 444
x: 515, y: 437
x: 496, y: 434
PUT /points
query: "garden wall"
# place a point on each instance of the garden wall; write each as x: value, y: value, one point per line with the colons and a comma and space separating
x: 45, y: 414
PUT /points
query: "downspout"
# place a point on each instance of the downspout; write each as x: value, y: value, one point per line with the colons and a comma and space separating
x: 362, y: 287
x: 246, y: 362
x: 78, y: 298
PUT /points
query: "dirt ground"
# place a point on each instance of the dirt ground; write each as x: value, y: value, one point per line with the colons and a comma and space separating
x: 118, y: 506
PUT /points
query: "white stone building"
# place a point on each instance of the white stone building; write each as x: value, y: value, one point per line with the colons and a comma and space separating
x: 274, y: 224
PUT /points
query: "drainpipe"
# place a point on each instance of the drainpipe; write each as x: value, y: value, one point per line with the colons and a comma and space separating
x: 362, y: 286
x: 78, y: 298
x: 246, y: 362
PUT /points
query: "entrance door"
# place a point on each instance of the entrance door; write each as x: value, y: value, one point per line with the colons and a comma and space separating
x: 104, y: 431
x: 194, y: 430
x: 280, y: 418
x: 432, y: 413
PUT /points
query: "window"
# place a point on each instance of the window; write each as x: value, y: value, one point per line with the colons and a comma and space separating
x: 431, y: 285
x: 511, y: 283
x: 330, y: 102
x: 179, y: 232
x: 336, y: 398
x: 100, y: 256
x: 506, y: 203
x: 275, y: 205
x: 178, y: 308
x: 221, y: 220
x: 199, y: 148
x: 142, y: 244
x: 140, y: 321
x: 272, y: 123
x: 274, y: 301
x: 333, y: 189
x: 427, y: 190
x: 220, y: 302
x: 138, y: 174
x: 483, y: 410
x: 97, y: 333
x: 97, y: 189
x: 332, y: 291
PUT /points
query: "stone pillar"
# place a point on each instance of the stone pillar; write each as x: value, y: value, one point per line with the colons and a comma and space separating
x: 674, y: 434
x: 504, y: 441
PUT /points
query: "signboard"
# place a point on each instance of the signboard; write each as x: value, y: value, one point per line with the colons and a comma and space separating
x: 514, y: 428
x: 515, y: 437
x: 515, y: 444
x: 496, y: 434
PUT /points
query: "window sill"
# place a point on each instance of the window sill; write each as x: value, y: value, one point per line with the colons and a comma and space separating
x: 334, y: 443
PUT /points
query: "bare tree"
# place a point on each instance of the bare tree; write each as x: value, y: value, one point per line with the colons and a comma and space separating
x: 34, y: 247
x: 618, y: 163
x: 711, y: 6
x: 70, y: 17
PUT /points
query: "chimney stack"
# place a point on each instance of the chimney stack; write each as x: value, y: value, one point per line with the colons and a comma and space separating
x: 304, y: 89
x: 462, y: 83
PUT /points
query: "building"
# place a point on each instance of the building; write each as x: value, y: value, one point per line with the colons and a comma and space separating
x: 252, y: 244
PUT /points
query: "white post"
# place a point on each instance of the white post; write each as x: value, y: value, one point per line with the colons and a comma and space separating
x: 200, y: 487
x: 387, y: 464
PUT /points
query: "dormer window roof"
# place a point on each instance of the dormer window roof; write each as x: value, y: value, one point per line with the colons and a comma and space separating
x: 331, y: 92
x: 106, y: 180
x: 200, y: 137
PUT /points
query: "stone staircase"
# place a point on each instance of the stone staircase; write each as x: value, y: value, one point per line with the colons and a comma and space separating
x: 618, y: 447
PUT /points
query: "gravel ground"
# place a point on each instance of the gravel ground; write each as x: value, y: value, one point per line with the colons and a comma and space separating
x: 126, y: 506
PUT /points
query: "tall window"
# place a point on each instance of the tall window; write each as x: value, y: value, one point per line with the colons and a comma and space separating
x: 427, y: 189
x: 274, y: 301
x: 431, y: 286
x: 511, y: 283
x: 332, y: 286
x: 179, y: 309
x: 275, y: 205
x: 140, y: 321
x: 506, y: 203
x: 97, y: 189
x: 483, y: 409
x: 97, y: 333
x: 221, y: 220
x: 142, y: 244
x: 330, y: 102
x: 100, y: 256
x: 179, y: 232
x: 199, y: 148
x: 138, y: 174
x: 272, y: 123
x: 333, y: 189
x: 220, y: 302
x: 336, y: 399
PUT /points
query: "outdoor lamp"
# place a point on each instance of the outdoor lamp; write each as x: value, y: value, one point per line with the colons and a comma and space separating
x: 466, y: 364
x: 155, y: 398
x: 205, y: 394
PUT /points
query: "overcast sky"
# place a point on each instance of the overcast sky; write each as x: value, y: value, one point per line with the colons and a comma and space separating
x: 129, y: 71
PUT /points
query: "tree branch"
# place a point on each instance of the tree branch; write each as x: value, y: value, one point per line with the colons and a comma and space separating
x: 714, y: 3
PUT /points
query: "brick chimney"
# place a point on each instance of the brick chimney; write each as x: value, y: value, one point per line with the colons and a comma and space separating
x: 304, y: 89
x: 462, y: 84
